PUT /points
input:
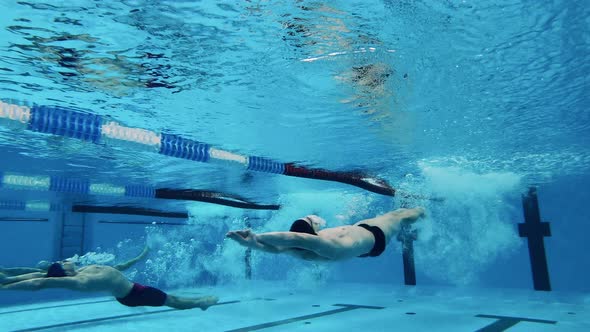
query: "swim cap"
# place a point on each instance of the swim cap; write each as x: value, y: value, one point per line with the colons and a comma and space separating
x: 302, y: 226
x: 55, y: 270
x: 316, y: 220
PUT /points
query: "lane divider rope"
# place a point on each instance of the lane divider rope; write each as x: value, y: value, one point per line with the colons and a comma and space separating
x: 98, y: 129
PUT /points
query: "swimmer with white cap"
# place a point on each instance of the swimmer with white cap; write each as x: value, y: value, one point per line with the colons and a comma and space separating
x: 310, y: 240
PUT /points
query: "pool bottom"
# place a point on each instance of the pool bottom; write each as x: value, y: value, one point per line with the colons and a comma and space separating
x: 264, y: 306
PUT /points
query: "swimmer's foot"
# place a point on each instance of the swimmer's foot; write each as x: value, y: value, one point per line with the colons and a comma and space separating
x: 184, y: 303
x: 207, y: 301
x: 2, y: 278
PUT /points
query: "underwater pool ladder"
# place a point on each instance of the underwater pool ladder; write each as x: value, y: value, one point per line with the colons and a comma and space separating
x: 71, y: 236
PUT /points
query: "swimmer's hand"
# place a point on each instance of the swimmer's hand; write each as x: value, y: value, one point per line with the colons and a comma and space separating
x: 3, y: 277
x: 244, y: 237
x: 145, y: 251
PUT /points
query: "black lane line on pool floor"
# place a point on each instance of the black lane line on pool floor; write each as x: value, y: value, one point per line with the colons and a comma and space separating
x: 54, y: 306
x: 77, y: 304
x: 103, y: 319
x: 503, y: 323
x: 346, y: 307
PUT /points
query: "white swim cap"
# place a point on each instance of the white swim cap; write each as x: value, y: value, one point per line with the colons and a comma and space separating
x: 316, y: 220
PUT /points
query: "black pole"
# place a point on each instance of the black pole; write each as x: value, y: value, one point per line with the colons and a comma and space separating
x: 211, y: 197
x: 407, y: 236
x: 535, y: 231
x: 248, y: 255
x: 128, y: 210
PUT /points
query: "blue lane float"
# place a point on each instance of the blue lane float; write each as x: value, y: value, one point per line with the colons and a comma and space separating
x: 64, y: 122
x: 41, y: 206
x: 97, y: 129
x: 178, y: 147
x: 10, y: 180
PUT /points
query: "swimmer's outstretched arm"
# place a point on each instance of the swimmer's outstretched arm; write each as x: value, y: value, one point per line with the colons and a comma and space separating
x: 288, y: 239
x: 125, y: 265
x: 15, y: 271
x: 22, y: 277
x: 284, y: 241
x: 248, y: 239
x: 73, y: 283
x: 295, y: 240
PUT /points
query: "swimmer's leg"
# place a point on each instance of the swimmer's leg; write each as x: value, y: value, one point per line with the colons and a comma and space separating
x: 182, y: 303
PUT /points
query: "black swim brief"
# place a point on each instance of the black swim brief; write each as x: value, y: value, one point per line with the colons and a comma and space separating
x: 379, y: 245
x: 143, y: 296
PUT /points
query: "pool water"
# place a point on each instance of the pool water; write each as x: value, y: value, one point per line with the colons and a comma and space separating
x: 349, y: 306
x: 169, y: 123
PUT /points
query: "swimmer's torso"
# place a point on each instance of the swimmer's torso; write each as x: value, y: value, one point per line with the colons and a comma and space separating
x: 352, y: 240
x: 105, y: 278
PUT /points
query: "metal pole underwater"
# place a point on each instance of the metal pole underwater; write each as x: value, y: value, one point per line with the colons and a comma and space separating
x: 535, y: 230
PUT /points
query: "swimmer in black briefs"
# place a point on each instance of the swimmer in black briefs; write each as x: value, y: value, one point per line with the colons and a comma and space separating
x: 101, y: 278
x: 366, y: 238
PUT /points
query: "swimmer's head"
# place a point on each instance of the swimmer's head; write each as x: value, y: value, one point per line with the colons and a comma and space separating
x: 56, y: 270
x: 310, y: 224
x: 61, y: 269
